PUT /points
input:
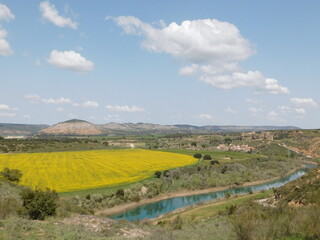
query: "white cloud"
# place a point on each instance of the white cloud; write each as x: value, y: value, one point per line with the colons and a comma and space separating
x: 70, y: 60
x: 87, y: 104
x: 255, y: 110
x: 206, y: 116
x: 304, y: 103
x: 26, y: 116
x: 124, y: 108
x: 6, y: 114
x: 5, y: 13
x: 285, y: 109
x: 33, y: 98
x: 230, y: 110
x: 300, y: 110
x: 50, y: 13
x: 61, y: 100
x: 7, y: 107
x: 5, y: 49
x: 212, y: 49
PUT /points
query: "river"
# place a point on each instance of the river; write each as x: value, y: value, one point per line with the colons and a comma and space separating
x: 155, y: 209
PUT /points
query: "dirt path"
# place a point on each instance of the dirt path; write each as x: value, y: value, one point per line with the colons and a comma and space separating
x: 125, y: 207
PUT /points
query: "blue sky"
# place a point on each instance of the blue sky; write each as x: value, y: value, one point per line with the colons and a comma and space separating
x: 168, y: 62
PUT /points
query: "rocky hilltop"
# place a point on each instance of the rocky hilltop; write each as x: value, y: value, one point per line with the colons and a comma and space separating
x: 73, y: 127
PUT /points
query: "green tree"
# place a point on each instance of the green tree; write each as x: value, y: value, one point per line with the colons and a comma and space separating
x: 197, y: 155
x: 11, y: 175
x: 207, y: 157
x: 157, y: 174
x: 39, y: 203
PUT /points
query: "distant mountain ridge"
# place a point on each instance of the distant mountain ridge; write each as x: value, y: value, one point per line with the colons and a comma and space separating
x: 75, y: 127
x: 11, y: 129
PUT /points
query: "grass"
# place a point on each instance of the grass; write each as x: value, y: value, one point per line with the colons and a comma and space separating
x: 72, y: 171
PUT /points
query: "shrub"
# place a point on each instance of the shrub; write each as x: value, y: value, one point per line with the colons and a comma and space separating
x: 207, y: 157
x: 39, y: 203
x: 194, y: 144
x: 157, y: 174
x: 11, y: 175
x: 213, y: 162
x: 120, y: 193
x: 197, y: 155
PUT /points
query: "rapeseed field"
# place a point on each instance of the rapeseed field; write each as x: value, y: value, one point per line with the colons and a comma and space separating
x: 72, y: 171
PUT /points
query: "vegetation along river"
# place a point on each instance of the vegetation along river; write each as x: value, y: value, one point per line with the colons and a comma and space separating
x: 155, y: 209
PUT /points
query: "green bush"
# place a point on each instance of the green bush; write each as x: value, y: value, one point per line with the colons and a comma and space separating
x: 197, y: 155
x: 39, y: 203
x: 11, y: 175
x: 207, y: 157
x: 157, y: 174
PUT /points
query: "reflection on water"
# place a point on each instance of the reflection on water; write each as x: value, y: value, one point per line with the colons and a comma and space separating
x: 153, y: 210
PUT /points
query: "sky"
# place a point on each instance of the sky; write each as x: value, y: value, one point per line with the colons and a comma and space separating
x: 204, y: 62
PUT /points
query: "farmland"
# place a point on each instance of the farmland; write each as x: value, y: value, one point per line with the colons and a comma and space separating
x: 72, y: 171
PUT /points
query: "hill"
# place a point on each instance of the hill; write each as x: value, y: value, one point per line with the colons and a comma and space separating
x: 73, y: 127
x: 10, y: 129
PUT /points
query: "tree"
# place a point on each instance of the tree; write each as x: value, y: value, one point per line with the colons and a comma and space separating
x: 120, y: 193
x: 213, y: 162
x: 39, y: 203
x: 11, y: 175
x: 193, y: 144
x: 207, y: 157
x: 197, y: 155
x: 157, y: 174
x: 228, y: 141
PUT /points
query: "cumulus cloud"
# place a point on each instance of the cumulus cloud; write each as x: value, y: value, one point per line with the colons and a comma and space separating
x: 230, y: 110
x: 300, y: 110
x: 212, y: 50
x: 205, y: 116
x: 7, y: 107
x: 33, y: 98
x: 6, y: 114
x: 255, y: 110
x: 87, y: 104
x: 50, y: 13
x: 304, y: 102
x: 5, y: 13
x: 5, y: 49
x: 125, y: 108
x: 70, y: 60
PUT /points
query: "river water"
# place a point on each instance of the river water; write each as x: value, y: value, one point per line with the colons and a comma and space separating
x: 155, y: 209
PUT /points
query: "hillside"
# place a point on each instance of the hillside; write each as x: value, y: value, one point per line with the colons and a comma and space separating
x: 76, y: 127
x: 10, y: 129
x: 73, y: 127
x: 302, y: 191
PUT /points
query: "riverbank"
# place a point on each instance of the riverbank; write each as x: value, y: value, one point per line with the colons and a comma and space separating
x: 125, y: 207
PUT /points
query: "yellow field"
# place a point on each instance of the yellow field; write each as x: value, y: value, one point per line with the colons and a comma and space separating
x: 71, y: 171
